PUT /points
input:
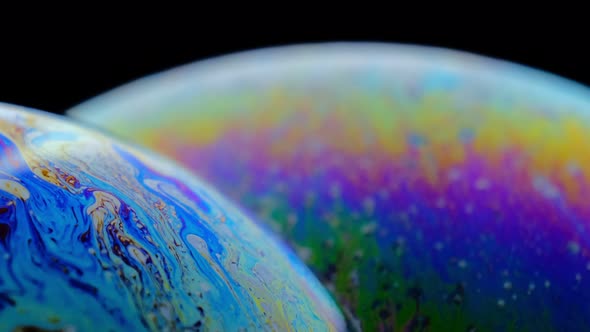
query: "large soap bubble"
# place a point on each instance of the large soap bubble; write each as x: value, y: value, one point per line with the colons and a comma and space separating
x: 425, y: 187
x: 98, y: 236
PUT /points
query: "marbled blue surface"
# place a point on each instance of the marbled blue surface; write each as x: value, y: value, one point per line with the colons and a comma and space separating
x: 95, y: 235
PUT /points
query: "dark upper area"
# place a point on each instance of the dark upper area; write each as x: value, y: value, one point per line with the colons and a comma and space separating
x: 55, y: 68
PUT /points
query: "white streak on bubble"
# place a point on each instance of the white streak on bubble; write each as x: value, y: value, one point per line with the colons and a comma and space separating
x: 15, y: 189
x: 545, y: 187
x: 454, y: 174
x: 438, y: 245
x: 369, y: 228
x: 335, y: 190
x: 573, y: 247
x: 482, y: 184
x: 369, y: 205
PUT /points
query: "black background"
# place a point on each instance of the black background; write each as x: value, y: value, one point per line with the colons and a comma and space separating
x: 55, y: 68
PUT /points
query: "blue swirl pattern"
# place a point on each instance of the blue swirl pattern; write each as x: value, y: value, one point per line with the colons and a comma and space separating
x: 95, y: 235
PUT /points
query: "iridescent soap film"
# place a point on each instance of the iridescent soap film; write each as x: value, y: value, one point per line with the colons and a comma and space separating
x: 97, y: 236
x: 428, y: 189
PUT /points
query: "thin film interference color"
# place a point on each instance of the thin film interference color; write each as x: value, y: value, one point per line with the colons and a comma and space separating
x: 424, y: 187
x: 96, y: 236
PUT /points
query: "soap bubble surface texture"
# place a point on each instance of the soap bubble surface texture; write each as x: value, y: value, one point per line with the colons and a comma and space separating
x: 426, y: 188
x: 100, y: 236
